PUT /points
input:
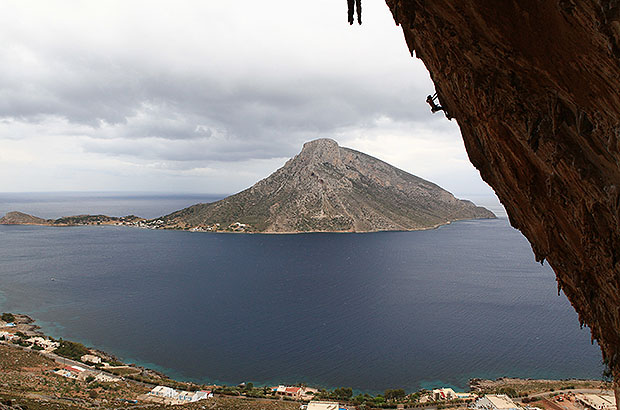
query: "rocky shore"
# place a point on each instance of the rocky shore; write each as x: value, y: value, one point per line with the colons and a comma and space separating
x: 39, y: 371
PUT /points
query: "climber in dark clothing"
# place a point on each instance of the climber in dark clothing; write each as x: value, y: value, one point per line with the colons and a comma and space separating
x: 353, y: 6
x: 430, y: 100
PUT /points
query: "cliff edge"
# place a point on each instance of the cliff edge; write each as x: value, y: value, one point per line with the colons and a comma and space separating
x: 534, y: 86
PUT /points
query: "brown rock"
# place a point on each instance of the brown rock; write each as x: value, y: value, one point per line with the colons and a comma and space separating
x: 20, y: 218
x: 535, y: 88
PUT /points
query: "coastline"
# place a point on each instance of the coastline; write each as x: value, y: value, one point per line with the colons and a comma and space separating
x: 67, y: 315
x: 90, y: 382
x: 143, y: 223
x: 28, y: 325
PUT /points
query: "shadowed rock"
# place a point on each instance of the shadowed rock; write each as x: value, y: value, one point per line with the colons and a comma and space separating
x: 534, y: 86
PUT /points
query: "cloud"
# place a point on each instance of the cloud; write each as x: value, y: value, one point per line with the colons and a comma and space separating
x: 147, y: 85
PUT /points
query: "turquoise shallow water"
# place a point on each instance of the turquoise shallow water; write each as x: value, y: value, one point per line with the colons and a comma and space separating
x: 370, y: 311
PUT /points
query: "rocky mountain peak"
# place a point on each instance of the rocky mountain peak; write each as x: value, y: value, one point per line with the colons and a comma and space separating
x: 321, y: 151
x: 329, y: 188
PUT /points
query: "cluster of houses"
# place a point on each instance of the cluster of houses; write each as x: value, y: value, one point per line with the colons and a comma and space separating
x: 47, y: 345
x: 445, y: 394
x: 169, y: 395
x: 44, y: 344
x: 238, y: 227
x: 235, y: 227
x: 599, y: 401
x: 154, y: 224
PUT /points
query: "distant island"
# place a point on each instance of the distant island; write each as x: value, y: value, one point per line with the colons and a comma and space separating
x: 20, y: 218
x: 325, y: 188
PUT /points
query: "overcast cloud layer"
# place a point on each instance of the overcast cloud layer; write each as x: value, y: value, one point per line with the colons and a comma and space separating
x: 208, y: 96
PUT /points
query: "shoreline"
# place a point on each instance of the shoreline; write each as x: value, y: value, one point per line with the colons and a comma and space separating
x: 27, y: 325
x: 52, y: 371
x: 143, y: 223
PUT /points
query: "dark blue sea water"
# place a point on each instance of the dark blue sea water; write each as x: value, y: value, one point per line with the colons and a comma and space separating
x: 370, y: 311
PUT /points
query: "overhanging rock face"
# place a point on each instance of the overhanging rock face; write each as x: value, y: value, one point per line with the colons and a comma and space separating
x: 535, y: 88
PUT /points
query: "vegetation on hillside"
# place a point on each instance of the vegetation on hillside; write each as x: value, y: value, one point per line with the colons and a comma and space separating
x: 71, y: 350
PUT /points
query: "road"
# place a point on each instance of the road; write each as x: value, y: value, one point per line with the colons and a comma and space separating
x: 70, y: 362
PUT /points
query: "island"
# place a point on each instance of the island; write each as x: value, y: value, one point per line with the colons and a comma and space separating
x: 325, y: 188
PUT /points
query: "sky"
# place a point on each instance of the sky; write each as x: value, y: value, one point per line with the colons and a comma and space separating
x: 209, y: 96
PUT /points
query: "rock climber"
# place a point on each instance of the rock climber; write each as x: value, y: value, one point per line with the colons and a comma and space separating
x: 430, y: 100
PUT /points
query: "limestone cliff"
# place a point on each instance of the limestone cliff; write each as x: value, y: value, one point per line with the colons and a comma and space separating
x: 330, y: 188
x: 535, y: 88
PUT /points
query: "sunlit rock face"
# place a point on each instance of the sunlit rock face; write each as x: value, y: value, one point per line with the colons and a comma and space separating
x: 535, y: 88
x: 328, y: 188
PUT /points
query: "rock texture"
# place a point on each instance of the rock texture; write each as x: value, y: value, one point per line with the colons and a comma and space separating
x: 330, y: 188
x: 535, y: 88
x: 20, y: 218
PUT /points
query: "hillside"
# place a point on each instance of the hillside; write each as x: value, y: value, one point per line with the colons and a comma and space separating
x: 330, y: 188
x: 20, y: 218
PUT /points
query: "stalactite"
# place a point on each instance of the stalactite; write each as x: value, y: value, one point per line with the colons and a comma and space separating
x: 355, y: 5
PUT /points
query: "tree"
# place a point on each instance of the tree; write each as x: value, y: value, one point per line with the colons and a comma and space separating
x: 8, y: 317
x: 344, y: 393
x: 394, y: 394
x: 71, y: 350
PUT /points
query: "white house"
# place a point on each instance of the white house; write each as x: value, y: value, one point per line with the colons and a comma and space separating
x: 77, y: 369
x: 597, y: 401
x: 445, y: 393
x: 101, y: 377
x: 164, y: 391
x: 181, y: 396
x: 66, y: 373
x: 185, y: 396
x: 323, y: 405
x: 91, y: 358
x: 495, y: 402
x: 7, y: 335
x: 289, y: 391
x: 202, y: 394
x: 46, y: 344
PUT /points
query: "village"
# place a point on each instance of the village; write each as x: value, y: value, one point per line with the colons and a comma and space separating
x: 104, y: 378
x: 162, y: 224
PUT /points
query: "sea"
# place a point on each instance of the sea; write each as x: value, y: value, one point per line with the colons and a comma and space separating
x: 369, y: 311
